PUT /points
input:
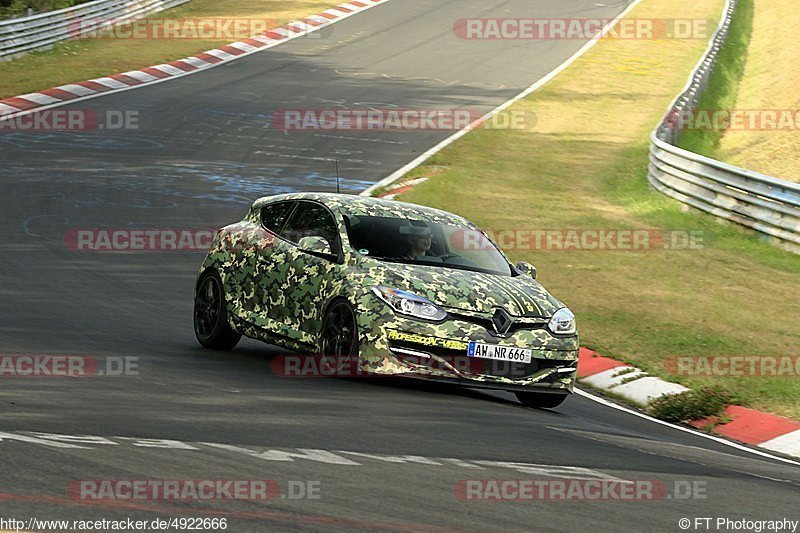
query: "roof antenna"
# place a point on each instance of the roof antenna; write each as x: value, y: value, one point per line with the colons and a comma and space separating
x: 337, y: 176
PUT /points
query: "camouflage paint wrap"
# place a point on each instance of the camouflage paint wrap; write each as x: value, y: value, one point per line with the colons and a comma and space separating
x: 277, y: 293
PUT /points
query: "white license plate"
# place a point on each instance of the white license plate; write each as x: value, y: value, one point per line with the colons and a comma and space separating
x: 499, y: 353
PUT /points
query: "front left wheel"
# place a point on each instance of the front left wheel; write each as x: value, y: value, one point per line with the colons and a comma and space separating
x: 211, y: 314
x: 338, y: 346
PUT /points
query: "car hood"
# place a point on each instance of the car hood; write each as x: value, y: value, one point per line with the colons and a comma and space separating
x: 464, y: 289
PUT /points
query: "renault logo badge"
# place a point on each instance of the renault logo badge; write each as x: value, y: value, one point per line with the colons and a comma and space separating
x: 501, y: 321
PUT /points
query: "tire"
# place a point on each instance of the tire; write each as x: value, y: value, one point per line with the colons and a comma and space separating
x: 338, y: 339
x: 211, y: 314
x: 541, y: 400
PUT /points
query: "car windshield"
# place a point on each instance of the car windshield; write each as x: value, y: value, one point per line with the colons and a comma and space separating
x: 401, y: 240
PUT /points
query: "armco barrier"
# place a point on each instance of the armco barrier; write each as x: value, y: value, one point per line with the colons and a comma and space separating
x: 763, y: 203
x: 23, y: 35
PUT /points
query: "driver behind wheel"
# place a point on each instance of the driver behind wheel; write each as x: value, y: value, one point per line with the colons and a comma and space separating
x: 416, y: 240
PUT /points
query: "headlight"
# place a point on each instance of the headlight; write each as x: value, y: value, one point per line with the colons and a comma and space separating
x: 563, y: 322
x: 408, y: 303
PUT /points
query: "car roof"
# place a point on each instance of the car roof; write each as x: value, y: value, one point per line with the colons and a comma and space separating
x: 354, y: 205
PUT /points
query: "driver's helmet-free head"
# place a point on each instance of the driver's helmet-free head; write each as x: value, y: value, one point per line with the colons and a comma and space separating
x: 415, y: 228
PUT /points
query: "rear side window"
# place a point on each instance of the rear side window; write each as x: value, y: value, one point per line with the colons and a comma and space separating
x: 274, y: 215
x: 310, y: 220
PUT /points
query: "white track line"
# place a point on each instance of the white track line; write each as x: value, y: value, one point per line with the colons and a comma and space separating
x: 399, y: 173
x: 341, y: 15
x: 720, y: 440
x: 539, y: 83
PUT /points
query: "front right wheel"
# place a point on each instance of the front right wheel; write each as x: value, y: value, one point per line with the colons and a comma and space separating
x: 540, y: 399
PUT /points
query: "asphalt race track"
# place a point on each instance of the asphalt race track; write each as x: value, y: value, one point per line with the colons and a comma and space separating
x: 382, y: 455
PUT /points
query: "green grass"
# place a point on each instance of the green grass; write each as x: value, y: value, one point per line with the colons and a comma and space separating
x: 584, y: 166
x: 692, y: 405
x: 770, y: 80
x: 19, y: 8
x: 723, y: 85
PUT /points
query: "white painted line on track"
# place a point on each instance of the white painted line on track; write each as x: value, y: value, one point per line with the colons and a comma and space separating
x: 720, y: 440
x: 399, y: 173
x: 7, y: 112
x: 450, y: 140
x: 315, y: 455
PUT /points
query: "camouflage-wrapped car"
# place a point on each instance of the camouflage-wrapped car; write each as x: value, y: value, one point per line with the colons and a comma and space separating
x: 390, y: 288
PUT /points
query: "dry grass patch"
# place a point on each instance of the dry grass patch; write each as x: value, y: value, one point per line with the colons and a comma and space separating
x: 770, y: 81
x: 583, y: 167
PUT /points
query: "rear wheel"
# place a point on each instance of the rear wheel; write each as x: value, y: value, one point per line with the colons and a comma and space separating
x: 338, y: 344
x: 540, y: 399
x: 211, y: 314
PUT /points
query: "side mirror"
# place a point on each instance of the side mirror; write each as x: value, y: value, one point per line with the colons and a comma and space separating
x: 526, y: 268
x: 315, y: 245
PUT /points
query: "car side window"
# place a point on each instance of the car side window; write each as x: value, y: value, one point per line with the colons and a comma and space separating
x: 274, y: 215
x: 310, y: 220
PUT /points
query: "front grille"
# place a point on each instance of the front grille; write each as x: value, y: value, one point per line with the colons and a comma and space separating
x: 486, y: 323
x: 475, y: 365
x: 513, y: 370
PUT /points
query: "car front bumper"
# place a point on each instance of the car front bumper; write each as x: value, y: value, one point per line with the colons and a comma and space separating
x: 396, y: 345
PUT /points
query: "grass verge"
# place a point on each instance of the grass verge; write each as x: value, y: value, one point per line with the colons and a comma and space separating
x: 692, y: 405
x: 769, y: 82
x: 583, y: 166
x: 83, y: 59
x: 19, y: 8
x: 723, y: 84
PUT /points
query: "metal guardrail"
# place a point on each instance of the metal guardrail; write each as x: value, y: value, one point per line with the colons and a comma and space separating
x: 22, y: 35
x: 766, y: 204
